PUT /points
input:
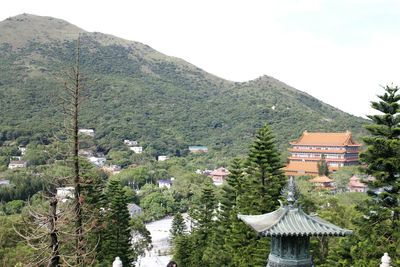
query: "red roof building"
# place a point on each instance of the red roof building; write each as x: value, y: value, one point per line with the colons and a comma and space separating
x: 338, y: 149
x: 218, y: 176
x: 356, y: 186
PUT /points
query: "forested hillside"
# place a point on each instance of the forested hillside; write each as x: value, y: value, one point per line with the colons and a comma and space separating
x: 135, y: 92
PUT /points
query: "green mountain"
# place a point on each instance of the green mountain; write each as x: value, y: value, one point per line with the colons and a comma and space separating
x: 135, y: 92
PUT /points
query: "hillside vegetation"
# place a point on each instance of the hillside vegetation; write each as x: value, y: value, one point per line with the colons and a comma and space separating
x: 135, y: 92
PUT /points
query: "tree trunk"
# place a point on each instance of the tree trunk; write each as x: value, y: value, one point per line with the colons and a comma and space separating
x: 55, y: 254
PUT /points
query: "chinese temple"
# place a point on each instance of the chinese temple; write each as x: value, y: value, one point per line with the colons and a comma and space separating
x: 290, y: 230
x: 337, y: 149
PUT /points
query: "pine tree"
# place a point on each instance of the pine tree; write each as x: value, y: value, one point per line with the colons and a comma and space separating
x: 116, y: 240
x: 178, y: 227
x: 203, y: 215
x: 259, y: 193
x: 378, y: 225
x: 265, y: 179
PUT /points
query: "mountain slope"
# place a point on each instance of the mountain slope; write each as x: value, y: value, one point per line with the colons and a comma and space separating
x: 139, y: 93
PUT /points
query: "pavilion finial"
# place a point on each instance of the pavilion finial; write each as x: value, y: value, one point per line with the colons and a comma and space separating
x: 291, y: 192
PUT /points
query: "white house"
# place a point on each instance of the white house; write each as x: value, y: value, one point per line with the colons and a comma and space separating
x: 89, y: 132
x: 162, y: 158
x: 136, y: 149
x: 130, y: 142
x: 4, y: 182
x: 65, y: 193
x: 165, y: 183
x: 14, y: 164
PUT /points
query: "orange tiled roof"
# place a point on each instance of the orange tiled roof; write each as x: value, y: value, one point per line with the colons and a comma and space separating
x: 220, y: 172
x: 330, y: 139
x: 321, y: 179
x: 306, y: 166
x: 355, y: 182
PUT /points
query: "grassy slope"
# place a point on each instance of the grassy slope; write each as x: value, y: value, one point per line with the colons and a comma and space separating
x: 162, y: 101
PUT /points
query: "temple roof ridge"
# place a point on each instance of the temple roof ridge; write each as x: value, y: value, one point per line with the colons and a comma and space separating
x: 292, y: 221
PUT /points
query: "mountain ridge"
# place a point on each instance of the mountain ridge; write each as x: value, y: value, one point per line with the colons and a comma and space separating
x: 140, y: 93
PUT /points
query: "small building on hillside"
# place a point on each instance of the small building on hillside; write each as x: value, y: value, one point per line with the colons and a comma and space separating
x: 4, y: 182
x: 322, y: 182
x: 167, y: 183
x: 219, y: 175
x: 162, y: 158
x: 355, y: 185
x: 88, y: 132
x: 136, y: 149
x: 338, y: 150
x: 134, y: 209
x: 14, y: 164
x: 198, y: 149
x: 130, y: 142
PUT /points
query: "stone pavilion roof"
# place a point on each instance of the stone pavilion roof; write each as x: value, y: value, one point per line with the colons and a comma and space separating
x: 291, y: 220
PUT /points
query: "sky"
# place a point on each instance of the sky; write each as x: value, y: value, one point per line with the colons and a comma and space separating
x: 339, y: 51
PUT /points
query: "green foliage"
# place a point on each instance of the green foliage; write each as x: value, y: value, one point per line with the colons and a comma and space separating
x: 116, y: 239
x: 219, y: 238
x: 323, y: 167
x: 141, y: 236
x: 23, y: 184
x: 156, y: 202
x: 132, y: 99
x: 178, y: 227
x: 379, y: 216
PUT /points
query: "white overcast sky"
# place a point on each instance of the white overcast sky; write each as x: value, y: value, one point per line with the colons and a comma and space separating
x: 339, y: 51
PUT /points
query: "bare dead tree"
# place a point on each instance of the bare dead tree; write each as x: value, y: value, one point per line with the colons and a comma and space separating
x: 73, y: 86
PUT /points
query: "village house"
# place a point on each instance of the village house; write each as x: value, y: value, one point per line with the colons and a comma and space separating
x: 14, y: 164
x: 89, y: 132
x: 219, y: 175
x: 130, y: 142
x: 4, y: 182
x: 338, y: 150
x: 136, y: 149
x: 134, y: 209
x: 162, y: 158
x: 198, y: 149
x: 322, y: 182
x: 355, y: 185
x: 165, y: 183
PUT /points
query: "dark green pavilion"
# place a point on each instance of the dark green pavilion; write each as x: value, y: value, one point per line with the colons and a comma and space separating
x: 290, y: 230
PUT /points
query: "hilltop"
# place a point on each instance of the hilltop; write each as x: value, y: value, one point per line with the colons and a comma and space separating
x: 139, y: 93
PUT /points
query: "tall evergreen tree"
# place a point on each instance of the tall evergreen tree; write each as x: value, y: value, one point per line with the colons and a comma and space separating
x: 203, y: 214
x: 378, y: 229
x: 265, y: 178
x: 116, y: 240
x: 259, y: 193
x: 178, y: 227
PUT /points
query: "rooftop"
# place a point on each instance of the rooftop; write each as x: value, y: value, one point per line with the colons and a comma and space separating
x: 329, y: 139
x: 291, y: 220
x: 321, y: 179
x: 287, y: 221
